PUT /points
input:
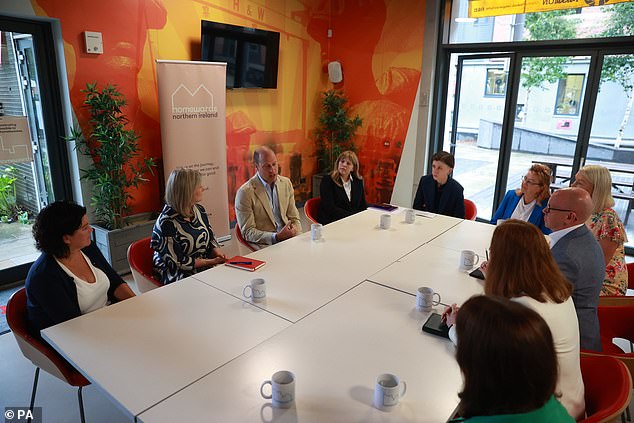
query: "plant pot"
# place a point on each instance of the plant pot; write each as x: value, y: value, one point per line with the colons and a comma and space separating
x: 317, y: 184
x: 114, y: 243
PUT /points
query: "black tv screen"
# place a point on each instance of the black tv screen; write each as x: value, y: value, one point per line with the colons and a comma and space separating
x: 251, y: 54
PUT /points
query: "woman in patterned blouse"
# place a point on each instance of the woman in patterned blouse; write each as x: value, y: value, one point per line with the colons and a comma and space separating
x: 606, y: 226
x: 182, y: 239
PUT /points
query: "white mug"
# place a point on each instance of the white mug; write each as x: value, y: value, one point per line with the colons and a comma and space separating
x: 410, y: 216
x: 425, y: 299
x: 389, y: 389
x: 468, y: 259
x: 386, y: 221
x: 282, y: 389
x: 315, y: 231
x: 257, y: 290
x: 500, y: 221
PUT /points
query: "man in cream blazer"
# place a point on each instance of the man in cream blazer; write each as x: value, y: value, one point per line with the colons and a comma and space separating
x: 265, y: 204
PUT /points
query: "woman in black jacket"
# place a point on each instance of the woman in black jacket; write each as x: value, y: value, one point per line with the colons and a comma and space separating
x: 341, y: 191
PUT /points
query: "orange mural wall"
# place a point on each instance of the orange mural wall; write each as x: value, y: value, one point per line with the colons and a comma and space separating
x: 378, y: 42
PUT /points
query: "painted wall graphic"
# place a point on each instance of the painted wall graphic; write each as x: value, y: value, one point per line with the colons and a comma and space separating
x: 378, y: 42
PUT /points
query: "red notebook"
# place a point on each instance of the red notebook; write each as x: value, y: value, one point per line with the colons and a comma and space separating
x: 245, y: 263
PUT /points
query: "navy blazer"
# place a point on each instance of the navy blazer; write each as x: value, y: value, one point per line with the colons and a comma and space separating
x: 334, y: 203
x: 451, y: 201
x: 51, y: 295
x: 508, y: 206
x: 580, y: 259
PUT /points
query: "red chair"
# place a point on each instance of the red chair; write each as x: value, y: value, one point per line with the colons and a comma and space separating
x: 140, y: 259
x: 42, y: 355
x: 242, y: 240
x: 311, y: 207
x: 608, y: 388
x: 470, y: 210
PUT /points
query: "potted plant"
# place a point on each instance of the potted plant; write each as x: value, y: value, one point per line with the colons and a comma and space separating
x: 334, y: 133
x: 116, y: 167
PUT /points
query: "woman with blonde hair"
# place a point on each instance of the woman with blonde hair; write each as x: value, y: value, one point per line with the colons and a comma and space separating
x: 606, y: 226
x: 182, y: 238
x: 341, y: 191
x: 527, y: 202
x: 521, y: 268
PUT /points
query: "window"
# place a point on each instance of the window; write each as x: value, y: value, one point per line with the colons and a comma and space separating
x: 569, y: 95
x: 496, y: 82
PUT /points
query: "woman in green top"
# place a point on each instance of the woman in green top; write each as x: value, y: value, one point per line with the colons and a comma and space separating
x: 508, y: 362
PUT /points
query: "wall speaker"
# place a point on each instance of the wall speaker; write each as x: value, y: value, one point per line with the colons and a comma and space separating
x: 335, y: 73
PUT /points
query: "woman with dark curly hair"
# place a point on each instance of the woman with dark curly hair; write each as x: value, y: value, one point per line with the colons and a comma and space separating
x: 71, y: 277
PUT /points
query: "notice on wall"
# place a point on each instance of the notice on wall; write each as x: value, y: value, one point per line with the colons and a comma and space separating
x: 193, y: 130
x: 485, y: 8
x: 15, y: 140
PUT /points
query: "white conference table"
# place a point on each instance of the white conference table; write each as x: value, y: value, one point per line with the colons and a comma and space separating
x: 468, y: 235
x: 142, y: 350
x: 336, y: 354
x: 434, y: 267
x: 302, y: 275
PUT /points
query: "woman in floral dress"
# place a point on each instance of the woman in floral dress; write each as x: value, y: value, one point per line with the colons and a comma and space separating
x: 606, y: 226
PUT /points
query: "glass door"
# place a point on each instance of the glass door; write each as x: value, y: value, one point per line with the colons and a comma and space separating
x: 34, y: 166
x: 473, y: 131
x: 612, y: 135
x: 548, y: 118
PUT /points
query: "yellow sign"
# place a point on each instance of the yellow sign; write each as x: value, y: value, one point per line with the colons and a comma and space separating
x: 485, y: 8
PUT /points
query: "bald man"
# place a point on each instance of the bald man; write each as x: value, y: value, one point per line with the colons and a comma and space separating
x: 579, y: 257
x: 265, y: 204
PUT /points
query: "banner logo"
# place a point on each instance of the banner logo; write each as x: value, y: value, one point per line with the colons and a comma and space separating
x: 198, y: 104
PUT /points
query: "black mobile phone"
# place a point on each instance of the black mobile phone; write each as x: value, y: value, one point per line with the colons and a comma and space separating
x: 436, y: 326
x: 477, y: 273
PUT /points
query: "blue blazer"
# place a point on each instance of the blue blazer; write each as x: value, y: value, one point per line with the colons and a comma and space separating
x: 508, y: 206
x: 51, y: 295
x: 334, y: 204
x: 451, y: 202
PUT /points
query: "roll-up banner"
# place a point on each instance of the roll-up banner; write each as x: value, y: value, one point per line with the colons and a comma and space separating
x: 192, y: 97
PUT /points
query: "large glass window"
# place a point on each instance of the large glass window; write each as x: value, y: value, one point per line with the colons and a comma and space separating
x: 585, y: 22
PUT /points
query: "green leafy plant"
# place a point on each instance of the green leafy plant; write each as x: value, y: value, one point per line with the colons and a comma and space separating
x: 336, y: 129
x: 117, y: 165
x: 8, y: 203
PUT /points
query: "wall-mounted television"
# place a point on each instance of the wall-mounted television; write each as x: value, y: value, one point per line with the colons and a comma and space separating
x: 251, y: 54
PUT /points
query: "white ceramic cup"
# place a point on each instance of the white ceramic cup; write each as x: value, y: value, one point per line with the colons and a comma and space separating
x: 388, y: 390
x: 282, y: 389
x: 425, y: 299
x: 499, y: 222
x: 315, y: 231
x: 410, y: 216
x: 386, y: 221
x: 468, y: 259
x: 255, y: 290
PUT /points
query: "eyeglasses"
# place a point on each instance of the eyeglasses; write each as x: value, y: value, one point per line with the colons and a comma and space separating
x: 529, y: 182
x: 548, y: 209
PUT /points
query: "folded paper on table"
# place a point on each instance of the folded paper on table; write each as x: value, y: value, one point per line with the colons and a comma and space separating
x: 245, y: 263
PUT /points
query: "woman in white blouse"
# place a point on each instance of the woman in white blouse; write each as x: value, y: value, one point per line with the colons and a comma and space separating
x: 521, y: 268
x: 71, y: 277
x: 527, y: 202
x: 341, y: 191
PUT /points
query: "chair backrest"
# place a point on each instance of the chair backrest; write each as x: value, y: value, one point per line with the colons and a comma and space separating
x: 615, y: 322
x: 608, y: 388
x: 242, y: 240
x: 470, y: 210
x: 630, y: 275
x: 35, y: 349
x: 311, y: 207
x: 140, y: 259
